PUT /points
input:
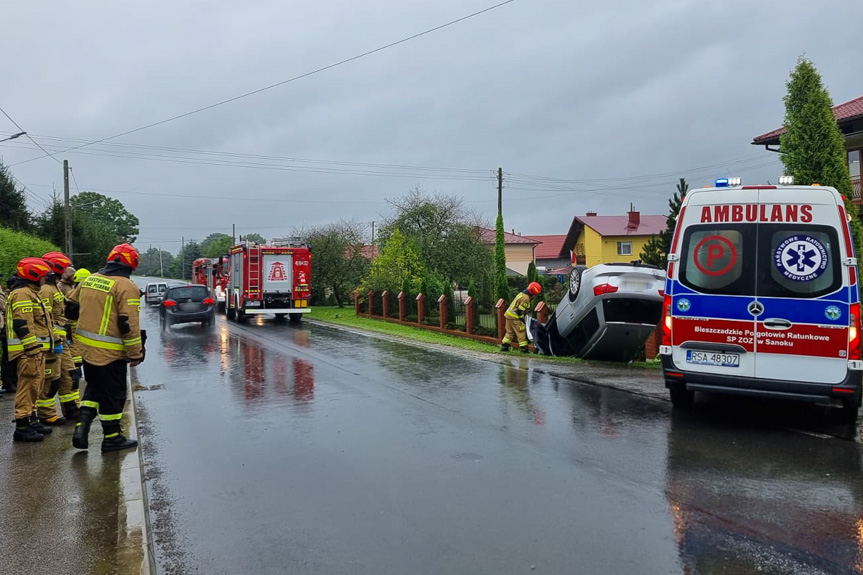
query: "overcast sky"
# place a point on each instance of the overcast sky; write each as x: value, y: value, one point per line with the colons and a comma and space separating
x: 618, y: 99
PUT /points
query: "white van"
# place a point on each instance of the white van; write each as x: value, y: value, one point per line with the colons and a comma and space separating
x: 762, y: 297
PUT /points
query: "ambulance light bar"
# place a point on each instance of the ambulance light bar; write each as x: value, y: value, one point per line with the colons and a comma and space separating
x: 727, y: 182
x: 786, y: 180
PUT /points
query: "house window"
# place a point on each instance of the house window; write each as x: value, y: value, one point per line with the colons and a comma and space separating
x: 624, y: 248
x: 854, y: 163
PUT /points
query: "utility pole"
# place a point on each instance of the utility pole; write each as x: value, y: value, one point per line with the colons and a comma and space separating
x: 233, y: 234
x: 500, y: 190
x: 67, y: 208
x: 161, y: 269
x: 183, y: 261
x: 373, y: 233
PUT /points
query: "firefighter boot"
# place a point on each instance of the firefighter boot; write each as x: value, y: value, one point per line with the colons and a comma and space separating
x: 82, y: 428
x: 38, y: 426
x: 23, y: 431
x: 504, y: 347
x: 70, y: 410
x: 114, y: 438
x: 524, y: 350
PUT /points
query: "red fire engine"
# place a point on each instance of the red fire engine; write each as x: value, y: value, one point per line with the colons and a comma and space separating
x: 273, y: 279
x: 208, y: 272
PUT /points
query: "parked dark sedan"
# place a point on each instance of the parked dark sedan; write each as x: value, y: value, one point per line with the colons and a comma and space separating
x: 189, y: 303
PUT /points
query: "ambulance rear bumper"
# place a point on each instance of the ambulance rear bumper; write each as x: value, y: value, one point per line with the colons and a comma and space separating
x: 849, y: 387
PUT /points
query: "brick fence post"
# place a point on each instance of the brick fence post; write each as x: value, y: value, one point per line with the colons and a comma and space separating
x: 651, y: 346
x: 402, y: 305
x: 356, y: 296
x: 470, y: 314
x: 421, y: 308
x: 386, y: 303
x: 441, y: 306
x: 370, y: 301
x: 501, y: 306
x: 541, y: 312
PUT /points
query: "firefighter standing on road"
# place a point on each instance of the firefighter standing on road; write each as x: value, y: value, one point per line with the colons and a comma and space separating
x: 515, y: 328
x: 66, y: 284
x: 28, y: 338
x: 107, y: 311
x: 60, y: 378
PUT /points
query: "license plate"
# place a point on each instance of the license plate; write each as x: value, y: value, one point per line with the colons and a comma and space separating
x: 252, y: 303
x: 635, y: 285
x: 713, y: 358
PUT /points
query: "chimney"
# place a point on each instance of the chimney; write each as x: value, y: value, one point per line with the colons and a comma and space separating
x: 591, y: 214
x: 634, y: 220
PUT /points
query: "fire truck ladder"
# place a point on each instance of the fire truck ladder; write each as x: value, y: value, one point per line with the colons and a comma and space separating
x: 255, y: 271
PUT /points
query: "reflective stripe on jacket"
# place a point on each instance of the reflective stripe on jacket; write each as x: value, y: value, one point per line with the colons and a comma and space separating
x: 108, y: 327
x: 28, y: 324
x: 519, y: 305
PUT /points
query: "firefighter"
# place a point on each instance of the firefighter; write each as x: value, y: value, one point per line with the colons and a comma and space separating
x: 3, y: 361
x: 59, y: 378
x: 66, y: 284
x: 7, y: 368
x: 80, y: 275
x: 107, y: 305
x: 28, y: 338
x: 515, y: 328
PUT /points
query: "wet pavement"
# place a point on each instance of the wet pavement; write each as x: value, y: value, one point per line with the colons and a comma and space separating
x: 279, y: 448
x: 62, y: 510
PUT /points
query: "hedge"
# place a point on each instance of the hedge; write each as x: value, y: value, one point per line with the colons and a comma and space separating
x: 16, y: 245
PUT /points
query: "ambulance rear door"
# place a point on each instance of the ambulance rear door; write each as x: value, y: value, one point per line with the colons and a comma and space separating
x: 713, y: 295
x: 802, y: 287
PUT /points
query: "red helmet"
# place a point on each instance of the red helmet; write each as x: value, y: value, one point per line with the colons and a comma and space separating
x: 33, y: 269
x: 125, y: 254
x: 534, y: 288
x: 57, y: 261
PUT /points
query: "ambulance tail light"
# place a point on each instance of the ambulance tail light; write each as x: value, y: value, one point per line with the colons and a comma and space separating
x: 854, y: 332
x: 604, y: 288
x: 846, y: 232
x: 666, y: 321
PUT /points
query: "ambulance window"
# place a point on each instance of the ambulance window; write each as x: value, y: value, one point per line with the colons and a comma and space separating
x: 719, y: 260
x: 799, y: 261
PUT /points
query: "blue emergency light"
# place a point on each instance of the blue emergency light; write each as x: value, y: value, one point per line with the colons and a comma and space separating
x: 721, y: 183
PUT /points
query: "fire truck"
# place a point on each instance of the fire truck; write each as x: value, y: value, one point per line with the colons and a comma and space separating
x: 208, y: 272
x: 272, y: 279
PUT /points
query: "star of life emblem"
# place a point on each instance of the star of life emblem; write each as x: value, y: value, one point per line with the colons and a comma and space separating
x: 801, y: 258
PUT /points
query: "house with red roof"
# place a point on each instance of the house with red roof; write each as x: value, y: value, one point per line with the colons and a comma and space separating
x: 849, y: 117
x: 550, y: 253
x: 593, y: 239
x: 519, y: 249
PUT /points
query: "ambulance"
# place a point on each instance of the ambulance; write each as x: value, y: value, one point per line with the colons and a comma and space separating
x: 762, y: 296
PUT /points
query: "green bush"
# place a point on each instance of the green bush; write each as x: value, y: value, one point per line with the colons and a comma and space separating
x: 16, y: 245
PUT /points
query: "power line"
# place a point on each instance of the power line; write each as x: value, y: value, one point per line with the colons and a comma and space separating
x: 288, y: 81
x: 29, y: 137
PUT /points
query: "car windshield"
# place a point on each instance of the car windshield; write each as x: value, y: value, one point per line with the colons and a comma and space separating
x: 188, y: 293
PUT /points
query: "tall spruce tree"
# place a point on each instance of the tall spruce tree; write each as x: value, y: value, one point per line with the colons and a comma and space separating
x: 656, y: 249
x: 813, y: 149
x: 13, y: 204
x: 501, y: 285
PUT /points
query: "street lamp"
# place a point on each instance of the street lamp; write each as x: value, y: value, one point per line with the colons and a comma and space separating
x: 13, y: 136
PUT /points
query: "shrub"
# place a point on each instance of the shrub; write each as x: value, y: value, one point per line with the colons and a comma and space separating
x: 15, y: 246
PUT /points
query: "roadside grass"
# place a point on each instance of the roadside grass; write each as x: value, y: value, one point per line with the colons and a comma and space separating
x: 346, y: 317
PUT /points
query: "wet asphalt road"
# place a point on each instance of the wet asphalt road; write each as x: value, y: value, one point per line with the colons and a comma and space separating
x: 275, y: 448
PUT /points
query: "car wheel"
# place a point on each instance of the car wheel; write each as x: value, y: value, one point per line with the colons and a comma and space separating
x: 574, y: 283
x: 681, y: 397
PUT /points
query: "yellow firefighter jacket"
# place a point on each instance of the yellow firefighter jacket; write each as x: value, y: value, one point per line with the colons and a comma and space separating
x: 108, y: 319
x: 66, y: 288
x: 519, y: 305
x: 28, y: 323
x: 55, y: 304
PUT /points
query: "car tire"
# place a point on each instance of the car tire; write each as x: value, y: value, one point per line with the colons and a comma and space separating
x: 296, y: 317
x: 574, y: 283
x: 681, y: 398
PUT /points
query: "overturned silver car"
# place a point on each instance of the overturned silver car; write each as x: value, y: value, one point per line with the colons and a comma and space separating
x: 607, y: 313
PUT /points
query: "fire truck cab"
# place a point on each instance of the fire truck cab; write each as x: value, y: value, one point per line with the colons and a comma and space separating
x: 208, y: 272
x: 272, y: 279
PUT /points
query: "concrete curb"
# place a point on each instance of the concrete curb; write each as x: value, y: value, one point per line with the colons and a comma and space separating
x: 133, y: 533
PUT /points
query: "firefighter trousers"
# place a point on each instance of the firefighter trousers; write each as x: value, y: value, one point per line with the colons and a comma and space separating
x: 106, y: 394
x: 515, y: 331
x: 46, y: 405
x: 31, y: 377
x: 7, y: 368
